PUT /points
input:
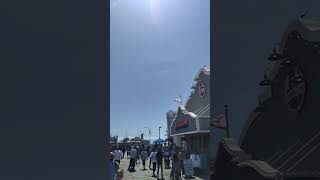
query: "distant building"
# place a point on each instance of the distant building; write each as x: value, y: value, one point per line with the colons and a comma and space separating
x: 171, y: 115
x: 145, y: 142
x: 125, y: 140
x: 135, y: 139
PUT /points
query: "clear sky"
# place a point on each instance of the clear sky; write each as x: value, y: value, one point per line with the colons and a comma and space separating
x: 157, y: 48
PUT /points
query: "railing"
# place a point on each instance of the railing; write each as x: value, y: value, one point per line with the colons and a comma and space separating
x: 202, y: 111
x: 274, y: 156
x: 303, y: 157
x: 299, y: 150
x: 284, y: 153
x: 301, y: 175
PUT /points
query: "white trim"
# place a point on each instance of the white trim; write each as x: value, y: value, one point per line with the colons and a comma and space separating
x: 197, y: 124
x: 200, y: 109
x: 192, y: 132
x: 185, y: 111
x: 204, y: 117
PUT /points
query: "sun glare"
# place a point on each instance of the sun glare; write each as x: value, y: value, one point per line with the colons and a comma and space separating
x: 154, y: 7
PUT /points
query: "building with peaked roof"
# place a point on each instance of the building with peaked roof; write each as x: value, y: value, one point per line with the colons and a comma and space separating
x: 190, y: 128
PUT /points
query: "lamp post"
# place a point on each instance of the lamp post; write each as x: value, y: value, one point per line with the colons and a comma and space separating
x: 141, y: 135
x: 167, y: 135
x: 159, y: 131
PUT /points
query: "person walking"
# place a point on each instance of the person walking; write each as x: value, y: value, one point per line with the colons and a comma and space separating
x: 159, y: 157
x: 118, y: 155
x: 133, y: 156
x: 138, y: 154
x: 113, y: 166
x: 167, y: 157
x: 128, y: 152
x: 153, y: 160
x: 176, y: 168
x: 123, y: 149
x: 143, y: 157
x: 182, y: 157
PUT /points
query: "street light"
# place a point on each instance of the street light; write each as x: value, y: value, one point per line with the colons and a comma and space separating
x: 159, y: 131
x: 141, y: 134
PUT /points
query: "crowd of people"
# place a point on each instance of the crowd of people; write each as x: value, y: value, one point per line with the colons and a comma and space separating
x: 159, y: 157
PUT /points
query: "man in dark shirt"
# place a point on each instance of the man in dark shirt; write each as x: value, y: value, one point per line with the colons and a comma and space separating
x: 159, y: 162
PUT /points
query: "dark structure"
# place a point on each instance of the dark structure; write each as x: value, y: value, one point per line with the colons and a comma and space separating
x: 281, y: 138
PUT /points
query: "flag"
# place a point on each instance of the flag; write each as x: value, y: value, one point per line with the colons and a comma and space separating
x: 219, y: 122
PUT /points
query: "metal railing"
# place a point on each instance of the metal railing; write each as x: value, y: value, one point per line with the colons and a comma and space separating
x: 284, y: 153
x: 303, y: 157
x: 302, y: 147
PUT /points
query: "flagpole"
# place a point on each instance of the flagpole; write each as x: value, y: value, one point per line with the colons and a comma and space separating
x: 227, y: 120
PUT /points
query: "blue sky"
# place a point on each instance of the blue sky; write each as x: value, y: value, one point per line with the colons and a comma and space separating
x: 157, y: 48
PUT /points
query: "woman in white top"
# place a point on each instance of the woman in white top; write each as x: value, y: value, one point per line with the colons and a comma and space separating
x: 153, y: 160
x: 143, y: 157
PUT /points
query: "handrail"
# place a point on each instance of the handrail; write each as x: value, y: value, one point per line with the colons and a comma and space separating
x: 303, y: 157
x: 302, y: 174
x: 284, y: 152
x: 273, y: 157
x: 199, y: 109
x: 203, y: 110
x: 303, y: 146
